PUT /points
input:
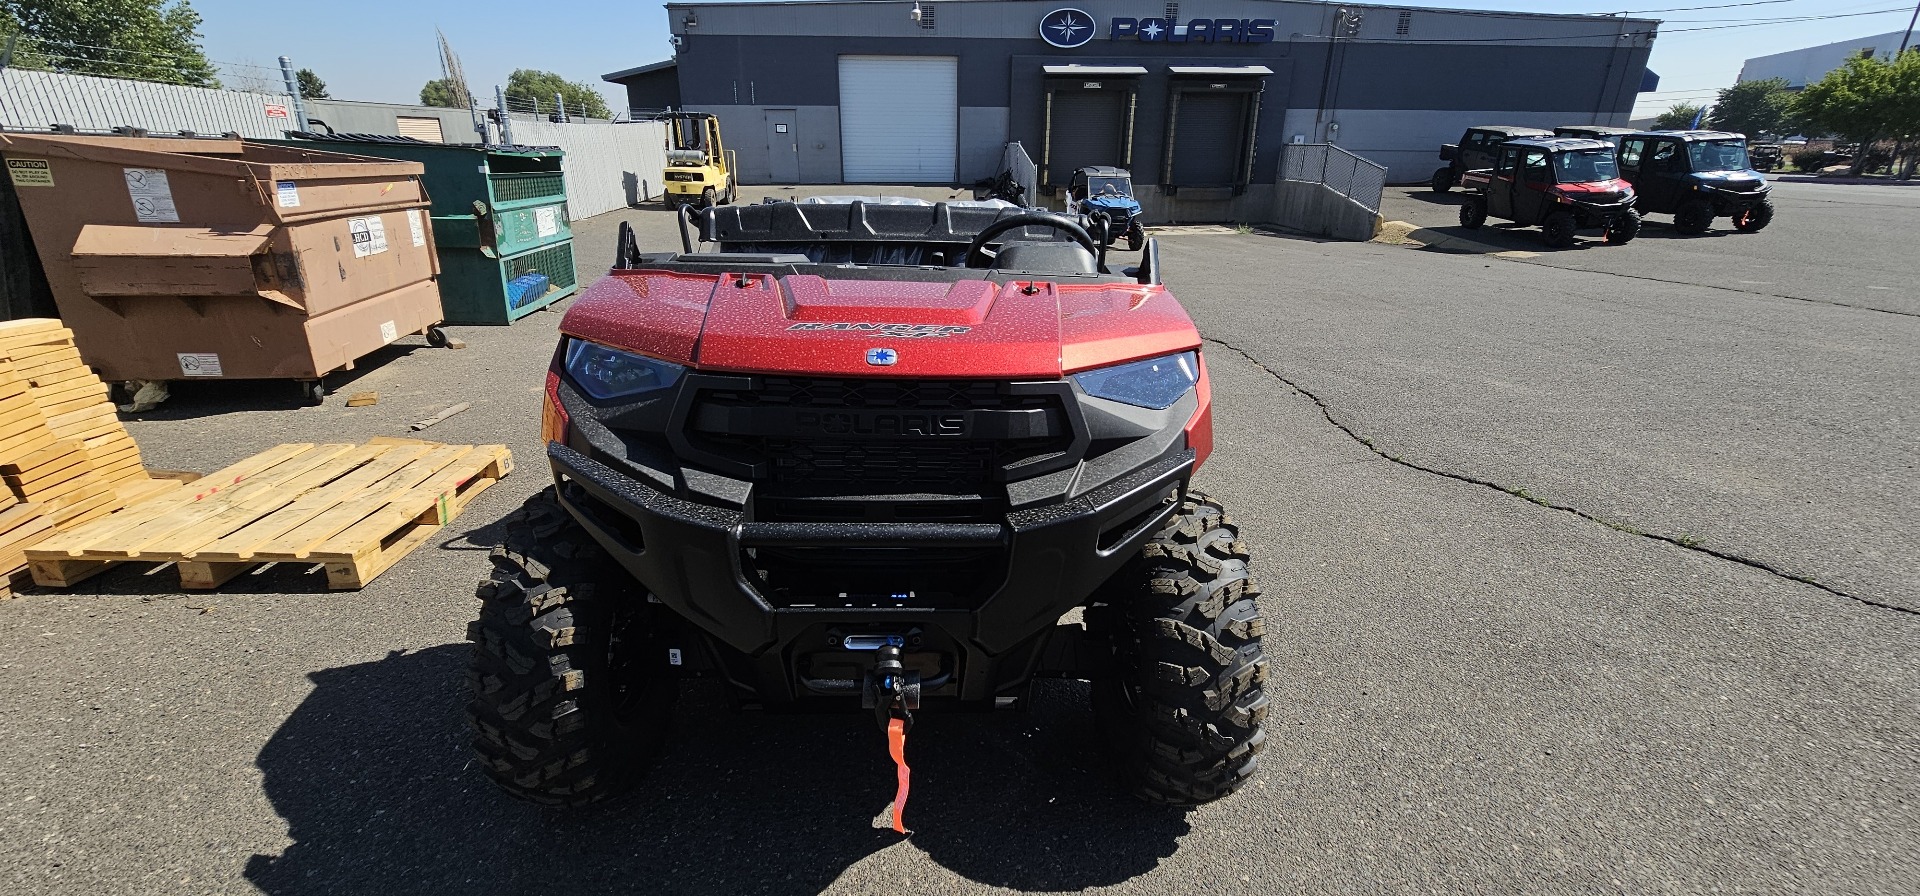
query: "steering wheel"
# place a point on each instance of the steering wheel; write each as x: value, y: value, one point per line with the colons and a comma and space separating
x: 977, y: 257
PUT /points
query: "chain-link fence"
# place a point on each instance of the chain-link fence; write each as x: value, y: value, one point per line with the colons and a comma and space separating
x: 1336, y: 169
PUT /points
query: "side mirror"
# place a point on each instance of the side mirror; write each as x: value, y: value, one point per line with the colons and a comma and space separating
x: 1448, y: 151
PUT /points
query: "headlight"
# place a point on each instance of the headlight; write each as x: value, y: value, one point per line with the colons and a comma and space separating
x: 605, y: 373
x: 1154, y: 383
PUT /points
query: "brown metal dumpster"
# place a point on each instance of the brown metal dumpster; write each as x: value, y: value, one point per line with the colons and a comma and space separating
x: 188, y: 258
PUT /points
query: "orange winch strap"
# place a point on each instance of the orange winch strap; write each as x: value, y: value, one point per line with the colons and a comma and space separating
x: 897, y: 745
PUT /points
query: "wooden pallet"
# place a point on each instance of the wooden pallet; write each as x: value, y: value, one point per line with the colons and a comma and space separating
x: 356, y: 509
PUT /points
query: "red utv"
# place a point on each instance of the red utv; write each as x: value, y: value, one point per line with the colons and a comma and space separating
x: 884, y: 458
x: 1560, y: 184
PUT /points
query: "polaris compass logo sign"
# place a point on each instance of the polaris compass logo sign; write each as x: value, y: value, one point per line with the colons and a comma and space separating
x: 882, y: 357
x: 1067, y: 28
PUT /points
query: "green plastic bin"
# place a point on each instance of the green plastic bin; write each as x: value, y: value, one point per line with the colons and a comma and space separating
x: 499, y: 214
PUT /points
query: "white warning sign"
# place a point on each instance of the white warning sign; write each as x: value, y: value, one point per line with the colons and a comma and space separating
x: 152, y: 196
x: 199, y: 364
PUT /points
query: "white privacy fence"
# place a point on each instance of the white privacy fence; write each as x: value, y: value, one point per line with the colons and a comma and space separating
x: 608, y: 166
x: 39, y: 101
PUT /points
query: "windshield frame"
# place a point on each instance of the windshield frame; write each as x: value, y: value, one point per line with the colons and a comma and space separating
x: 1612, y: 164
x: 1695, y: 157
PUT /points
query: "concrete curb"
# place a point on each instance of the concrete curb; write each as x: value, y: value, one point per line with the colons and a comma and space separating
x: 1865, y: 181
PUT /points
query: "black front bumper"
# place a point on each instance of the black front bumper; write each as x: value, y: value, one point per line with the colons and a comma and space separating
x: 692, y: 557
x: 1727, y: 203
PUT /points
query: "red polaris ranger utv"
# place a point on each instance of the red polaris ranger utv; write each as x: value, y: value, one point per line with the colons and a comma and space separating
x: 894, y: 457
x: 1561, y: 184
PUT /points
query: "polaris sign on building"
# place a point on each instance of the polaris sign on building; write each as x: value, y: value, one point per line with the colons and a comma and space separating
x: 1196, y: 98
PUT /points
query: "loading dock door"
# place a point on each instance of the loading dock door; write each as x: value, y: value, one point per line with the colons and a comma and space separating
x: 1088, y: 128
x: 899, y: 119
x: 1213, y: 115
x: 1206, y: 148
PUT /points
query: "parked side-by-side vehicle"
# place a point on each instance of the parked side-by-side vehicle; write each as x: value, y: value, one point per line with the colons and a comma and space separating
x: 1476, y: 149
x: 1560, y: 184
x: 1696, y: 176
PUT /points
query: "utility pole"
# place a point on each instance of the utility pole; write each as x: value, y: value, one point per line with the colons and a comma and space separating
x: 1909, y: 35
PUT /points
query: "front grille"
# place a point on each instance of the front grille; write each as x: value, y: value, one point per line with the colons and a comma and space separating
x: 884, y: 462
x: 881, y: 466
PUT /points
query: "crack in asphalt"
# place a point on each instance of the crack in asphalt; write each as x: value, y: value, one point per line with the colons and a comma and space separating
x: 1682, y: 543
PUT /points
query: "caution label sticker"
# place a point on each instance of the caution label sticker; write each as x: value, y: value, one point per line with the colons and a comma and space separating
x: 199, y: 364
x: 30, y: 172
x: 414, y: 225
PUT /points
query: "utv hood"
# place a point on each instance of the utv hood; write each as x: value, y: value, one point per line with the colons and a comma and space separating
x: 1742, y: 181
x: 1124, y: 204
x: 804, y: 324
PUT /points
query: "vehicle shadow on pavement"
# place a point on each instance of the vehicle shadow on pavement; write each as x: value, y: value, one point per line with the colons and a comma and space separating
x: 373, y: 776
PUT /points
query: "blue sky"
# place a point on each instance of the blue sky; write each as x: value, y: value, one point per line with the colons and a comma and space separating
x: 386, y: 54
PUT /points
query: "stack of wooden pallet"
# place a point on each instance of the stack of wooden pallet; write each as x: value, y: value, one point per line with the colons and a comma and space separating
x: 64, y: 457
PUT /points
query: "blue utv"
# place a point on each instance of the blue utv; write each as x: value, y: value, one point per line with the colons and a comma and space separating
x: 1105, y: 195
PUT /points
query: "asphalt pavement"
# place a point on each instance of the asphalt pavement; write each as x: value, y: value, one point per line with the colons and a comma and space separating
x: 1474, y: 690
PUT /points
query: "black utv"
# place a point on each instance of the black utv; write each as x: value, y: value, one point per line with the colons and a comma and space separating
x: 1559, y: 183
x: 1476, y: 150
x: 1696, y: 176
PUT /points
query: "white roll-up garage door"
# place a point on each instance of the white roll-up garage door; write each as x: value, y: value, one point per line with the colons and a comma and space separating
x: 899, y: 118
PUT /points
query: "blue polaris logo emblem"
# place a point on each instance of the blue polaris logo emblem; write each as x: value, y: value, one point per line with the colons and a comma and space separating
x: 882, y: 357
x: 1067, y: 28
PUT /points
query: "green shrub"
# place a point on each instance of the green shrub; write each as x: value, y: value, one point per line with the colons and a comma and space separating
x: 1809, y: 160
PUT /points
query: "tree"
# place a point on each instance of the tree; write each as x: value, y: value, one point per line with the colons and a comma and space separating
x: 146, y: 40
x: 1867, y: 100
x: 1678, y: 117
x: 311, y: 87
x: 446, y: 93
x: 532, y: 89
x: 1752, y: 108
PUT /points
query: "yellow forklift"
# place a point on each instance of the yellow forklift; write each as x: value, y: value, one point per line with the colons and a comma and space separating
x: 699, y: 169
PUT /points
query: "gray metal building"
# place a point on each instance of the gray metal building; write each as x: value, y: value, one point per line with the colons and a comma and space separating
x: 1195, y: 97
x: 1809, y: 64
